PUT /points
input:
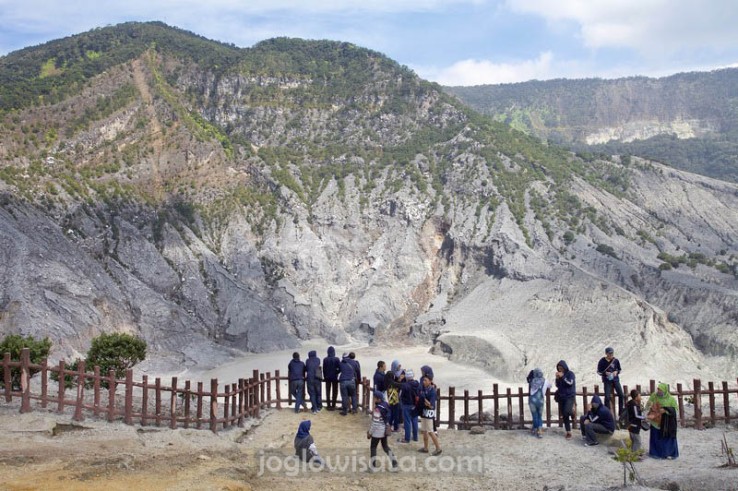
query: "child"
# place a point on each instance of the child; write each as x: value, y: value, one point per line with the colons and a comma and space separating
x: 635, y: 418
x: 379, y: 430
x: 427, y: 415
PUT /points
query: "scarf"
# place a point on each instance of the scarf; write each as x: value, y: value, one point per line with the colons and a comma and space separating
x: 536, y: 383
x: 667, y: 400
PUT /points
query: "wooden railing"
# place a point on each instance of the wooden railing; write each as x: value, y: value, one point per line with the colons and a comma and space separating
x: 146, y: 403
x: 223, y: 405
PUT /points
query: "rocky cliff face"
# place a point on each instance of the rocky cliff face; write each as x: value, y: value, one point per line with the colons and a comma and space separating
x: 215, y: 212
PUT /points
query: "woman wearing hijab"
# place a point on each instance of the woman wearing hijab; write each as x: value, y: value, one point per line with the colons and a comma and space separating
x: 305, y: 448
x: 537, y: 387
x: 662, y: 414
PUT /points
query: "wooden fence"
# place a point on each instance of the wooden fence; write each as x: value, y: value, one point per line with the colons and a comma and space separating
x: 224, y: 405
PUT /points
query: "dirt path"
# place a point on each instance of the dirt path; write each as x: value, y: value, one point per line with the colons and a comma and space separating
x: 139, y: 79
x: 40, y: 451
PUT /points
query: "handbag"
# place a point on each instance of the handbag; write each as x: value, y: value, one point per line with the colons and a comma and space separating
x: 645, y: 425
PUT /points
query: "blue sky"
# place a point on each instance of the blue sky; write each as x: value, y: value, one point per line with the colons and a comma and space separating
x: 452, y: 42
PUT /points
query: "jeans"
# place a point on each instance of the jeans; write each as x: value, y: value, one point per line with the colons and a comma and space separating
x: 635, y: 441
x: 566, y: 408
x: 410, y: 422
x: 609, y: 384
x: 297, y: 388
x: 590, y: 430
x: 385, y: 447
x: 348, y: 394
x: 536, y: 410
x: 395, y: 416
x: 331, y: 393
x: 315, y: 391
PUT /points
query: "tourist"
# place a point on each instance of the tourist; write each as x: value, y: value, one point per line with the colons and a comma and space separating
x: 636, y: 418
x: 566, y: 393
x: 347, y: 381
x: 357, y: 380
x: 427, y: 405
x: 379, y: 375
x: 537, y: 387
x: 379, y: 430
x: 331, y: 369
x: 314, y: 381
x: 661, y: 411
x: 609, y: 369
x: 305, y: 448
x: 427, y: 371
x: 393, y: 394
x: 409, y: 390
x: 296, y: 375
x: 598, y: 420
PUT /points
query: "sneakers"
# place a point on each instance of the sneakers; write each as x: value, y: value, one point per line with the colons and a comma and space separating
x: 437, y: 452
x: 343, y: 413
x: 591, y: 444
x: 402, y: 440
x: 568, y: 436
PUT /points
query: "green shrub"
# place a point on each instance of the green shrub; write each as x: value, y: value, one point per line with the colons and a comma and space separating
x: 13, y: 344
x: 69, y: 379
x: 117, y: 352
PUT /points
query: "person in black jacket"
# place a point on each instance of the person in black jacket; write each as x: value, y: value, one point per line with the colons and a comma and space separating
x: 357, y: 379
x: 379, y: 375
x: 347, y: 381
x: 635, y: 419
x: 609, y: 369
x: 331, y: 369
x: 597, y: 420
x: 566, y: 393
x: 314, y: 381
x: 296, y: 374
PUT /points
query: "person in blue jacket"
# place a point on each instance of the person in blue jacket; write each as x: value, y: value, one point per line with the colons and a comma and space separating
x: 609, y: 369
x: 357, y: 379
x: 305, y: 448
x: 597, y: 420
x: 566, y: 393
x: 314, y: 381
x: 347, y: 381
x: 379, y: 377
x: 409, y: 392
x: 296, y: 375
x: 427, y: 406
x: 393, y: 394
x: 331, y: 369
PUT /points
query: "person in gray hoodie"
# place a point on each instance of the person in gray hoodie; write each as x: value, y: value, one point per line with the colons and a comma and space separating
x: 314, y: 380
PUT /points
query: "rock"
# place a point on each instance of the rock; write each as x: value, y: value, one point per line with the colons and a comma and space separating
x: 477, y: 430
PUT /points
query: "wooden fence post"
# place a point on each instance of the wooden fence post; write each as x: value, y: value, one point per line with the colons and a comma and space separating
x: 548, y: 407
x: 25, y: 359
x: 200, y: 395
x: 496, y: 405
x: 187, y: 396
x: 214, y: 405
x: 128, y: 409
x: 112, y: 386
x: 711, y: 399
x: 262, y: 391
x: 7, y: 381
x: 451, y: 408
x: 157, y: 401
x: 698, y: 405
x: 257, y: 393
x: 278, y: 385
x: 78, y: 416
x: 173, y: 405
x: 96, y: 391
x: 466, y: 410
x: 145, y: 400
x: 480, y: 408
x: 508, y: 392
x: 269, y: 389
x: 62, y: 388
x: 242, y: 401
x: 680, y: 403
x: 44, y: 383
x: 726, y: 402
x: 521, y: 407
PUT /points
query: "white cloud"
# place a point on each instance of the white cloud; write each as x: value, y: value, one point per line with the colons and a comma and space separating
x: 650, y: 27
x: 478, y: 72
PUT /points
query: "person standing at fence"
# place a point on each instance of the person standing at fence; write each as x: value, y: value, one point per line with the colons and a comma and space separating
x: 305, y: 447
x: 409, y: 394
x: 566, y: 393
x: 609, y: 369
x: 331, y: 364
x: 537, y: 387
x: 661, y: 411
x: 378, y: 380
x: 357, y: 377
x: 314, y: 381
x: 393, y: 394
x: 427, y: 404
x: 636, y: 419
x: 379, y: 430
x: 598, y: 420
x: 296, y: 374
x: 347, y: 381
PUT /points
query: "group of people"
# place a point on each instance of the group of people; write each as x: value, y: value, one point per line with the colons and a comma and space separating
x: 659, y: 415
x: 398, y: 399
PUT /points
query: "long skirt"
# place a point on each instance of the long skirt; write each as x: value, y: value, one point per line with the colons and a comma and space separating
x: 662, y: 447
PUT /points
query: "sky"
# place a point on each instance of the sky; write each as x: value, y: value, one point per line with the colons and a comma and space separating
x: 452, y: 42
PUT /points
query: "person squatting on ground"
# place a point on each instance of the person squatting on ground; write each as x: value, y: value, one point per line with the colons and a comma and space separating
x: 305, y: 448
x: 393, y: 394
x: 636, y: 418
x: 296, y: 374
x: 609, y: 369
x: 379, y: 430
x: 537, y: 387
x: 566, y: 392
x: 661, y: 410
x: 314, y: 381
x: 427, y: 404
x: 331, y: 370
x: 597, y: 420
x: 347, y: 381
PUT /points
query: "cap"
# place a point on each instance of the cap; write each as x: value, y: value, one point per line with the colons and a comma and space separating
x: 609, y: 350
